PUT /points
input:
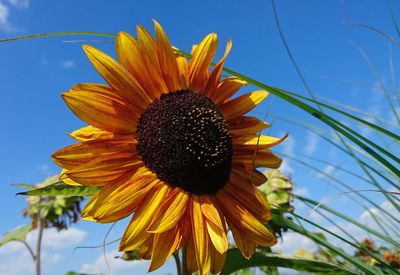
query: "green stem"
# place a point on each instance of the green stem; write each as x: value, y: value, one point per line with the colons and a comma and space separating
x: 39, y: 242
x: 178, y: 262
x: 185, y: 270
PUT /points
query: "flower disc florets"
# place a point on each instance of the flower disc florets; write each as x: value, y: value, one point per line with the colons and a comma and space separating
x: 184, y: 139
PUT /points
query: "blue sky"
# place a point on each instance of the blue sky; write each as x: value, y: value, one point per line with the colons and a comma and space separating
x: 35, y: 121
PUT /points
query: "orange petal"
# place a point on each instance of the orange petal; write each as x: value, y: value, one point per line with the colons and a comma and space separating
x: 242, y: 104
x: 131, y: 57
x: 226, y: 88
x: 116, y: 201
x: 217, y: 260
x: 84, y: 152
x: 146, y: 249
x: 118, y: 77
x: 200, y: 237
x: 191, y: 260
x: 246, y: 125
x: 249, y: 195
x: 239, y: 216
x: 243, y: 243
x: 254, y: 176
x: 104, y: 110
x: 136, y: 231
x: 148, y: 48
x: 167, y: 59
x: 200, y: 61
x: 215, y: 76
x: 104, y: 170
x: 170, y: 211
x: 263, y: 158
x: 165, y: 244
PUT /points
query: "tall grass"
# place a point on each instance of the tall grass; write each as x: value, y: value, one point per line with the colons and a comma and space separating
x: 378, y: 172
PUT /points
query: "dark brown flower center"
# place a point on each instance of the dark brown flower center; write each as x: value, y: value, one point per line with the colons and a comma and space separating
x: 184, y: 139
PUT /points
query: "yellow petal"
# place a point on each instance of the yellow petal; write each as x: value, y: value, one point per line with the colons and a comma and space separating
x: 164, y: 245
x: 263, y: 158
x: 137, y: 229
x: 245, y: 125
x: 200, y: 237
x: 90, y: 133
x: 242, y: 104
x: 103, y: 110
x: 226, y: 88
x: 215, y: 76
x: 131, y: 57
x: 200, y: 61
x: 170, y: 212
x: 214, y: 224
x: 167, y: 59
x: 255, y: 142
x: 183, y: 68
x: 67, y: 180
x: 75, y: 155
x: 118, y: 77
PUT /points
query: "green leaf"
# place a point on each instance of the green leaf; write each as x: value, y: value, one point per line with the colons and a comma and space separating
x: 18, y: 234
x: 60, y: 188
x: 235, y: 261
x: 26, y: 186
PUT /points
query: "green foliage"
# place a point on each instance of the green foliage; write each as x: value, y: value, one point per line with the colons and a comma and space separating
x: 18, y: 234
x: 235, y: 261
x: 59, y: 188
x: 54, y: 210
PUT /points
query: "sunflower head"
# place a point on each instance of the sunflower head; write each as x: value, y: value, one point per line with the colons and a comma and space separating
x: 168, y: 142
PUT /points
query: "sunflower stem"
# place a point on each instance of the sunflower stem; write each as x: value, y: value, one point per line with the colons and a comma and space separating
x: 178, y: 263
x: 185, y: 270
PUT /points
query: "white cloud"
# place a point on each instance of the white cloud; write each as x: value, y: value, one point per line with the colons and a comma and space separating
x: 15, y: 260
x: 3, y: 14
x: 45, y: 170
x: 312, y: 140
x: 5, y: 24
x: 23, y: 4
x: 301, y: 191
x: 43, y: 61
x: 68, y: 64
x: 117, y: 265
x: 286, y: 167
x: 328, y: 171
x: 292, y: 241
x: 287, y: 148
x: 54, y: 239
x: 15, y: 253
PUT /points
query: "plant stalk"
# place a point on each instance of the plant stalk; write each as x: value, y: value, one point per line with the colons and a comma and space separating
x: 39, y: 242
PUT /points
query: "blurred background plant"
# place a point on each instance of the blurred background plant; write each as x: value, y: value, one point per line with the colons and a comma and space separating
x: 45, y: 211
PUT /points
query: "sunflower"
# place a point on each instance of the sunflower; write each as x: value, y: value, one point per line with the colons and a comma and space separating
x: 167, y: 142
